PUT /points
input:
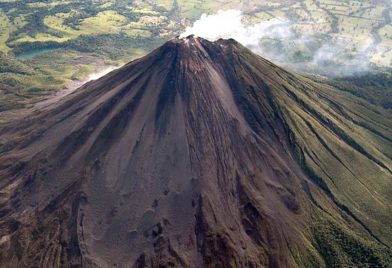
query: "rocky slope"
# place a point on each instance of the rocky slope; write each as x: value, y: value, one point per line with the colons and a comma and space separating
x: 200, y: 154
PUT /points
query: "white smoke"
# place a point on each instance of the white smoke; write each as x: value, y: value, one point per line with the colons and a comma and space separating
x: 99, y: 74
x: 229, y: 24
x: 277, y: 40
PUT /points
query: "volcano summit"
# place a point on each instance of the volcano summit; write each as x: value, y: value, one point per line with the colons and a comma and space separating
x: 200, y: 154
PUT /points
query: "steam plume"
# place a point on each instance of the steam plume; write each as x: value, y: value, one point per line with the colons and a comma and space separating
x: 277, y: 40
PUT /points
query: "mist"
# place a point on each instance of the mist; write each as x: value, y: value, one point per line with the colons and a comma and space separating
x: 100, y: 73
x: 277, y: 41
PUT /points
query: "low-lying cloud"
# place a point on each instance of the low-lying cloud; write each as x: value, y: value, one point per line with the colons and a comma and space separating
x: 278, y: 41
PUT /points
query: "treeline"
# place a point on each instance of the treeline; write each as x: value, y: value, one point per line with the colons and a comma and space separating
x: 9, y: 64
x: 113, y: 46
x: 375, y: 87
x: 28, y: 46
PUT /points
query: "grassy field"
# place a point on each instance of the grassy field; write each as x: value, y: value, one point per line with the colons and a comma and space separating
x: 118, y: 32
x: 4, y: 32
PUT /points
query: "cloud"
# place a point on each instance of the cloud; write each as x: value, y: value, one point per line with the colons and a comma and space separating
x: 277, y: 40
x: 229, y: 24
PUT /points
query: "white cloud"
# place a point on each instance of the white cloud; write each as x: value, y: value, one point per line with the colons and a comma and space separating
x: 276, y: 40
x: 229, y: 24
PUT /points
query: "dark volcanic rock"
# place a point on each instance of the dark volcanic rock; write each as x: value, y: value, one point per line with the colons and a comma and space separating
x: 200, y: 154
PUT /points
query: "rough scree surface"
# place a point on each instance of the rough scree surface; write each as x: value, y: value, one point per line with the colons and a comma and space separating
x: 200, y: 154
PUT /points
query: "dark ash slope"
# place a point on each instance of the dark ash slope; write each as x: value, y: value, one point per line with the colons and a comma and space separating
x: 199, y: 154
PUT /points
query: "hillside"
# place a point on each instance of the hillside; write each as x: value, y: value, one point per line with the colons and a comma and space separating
x: 200, y: 154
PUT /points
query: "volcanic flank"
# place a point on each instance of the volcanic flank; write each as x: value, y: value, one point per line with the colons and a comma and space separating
x: 200, y: 154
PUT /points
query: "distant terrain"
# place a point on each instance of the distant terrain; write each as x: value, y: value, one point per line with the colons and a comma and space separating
x: 46, y: 44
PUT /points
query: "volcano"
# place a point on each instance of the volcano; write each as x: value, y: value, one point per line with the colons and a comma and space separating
x: 200, y: 154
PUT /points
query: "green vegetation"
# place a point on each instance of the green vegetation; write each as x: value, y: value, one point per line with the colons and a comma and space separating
x: 375, y: 88
x: 343, y: 248
x: 331, y: 132
x: 22, y: 83
x: 39, y: 42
